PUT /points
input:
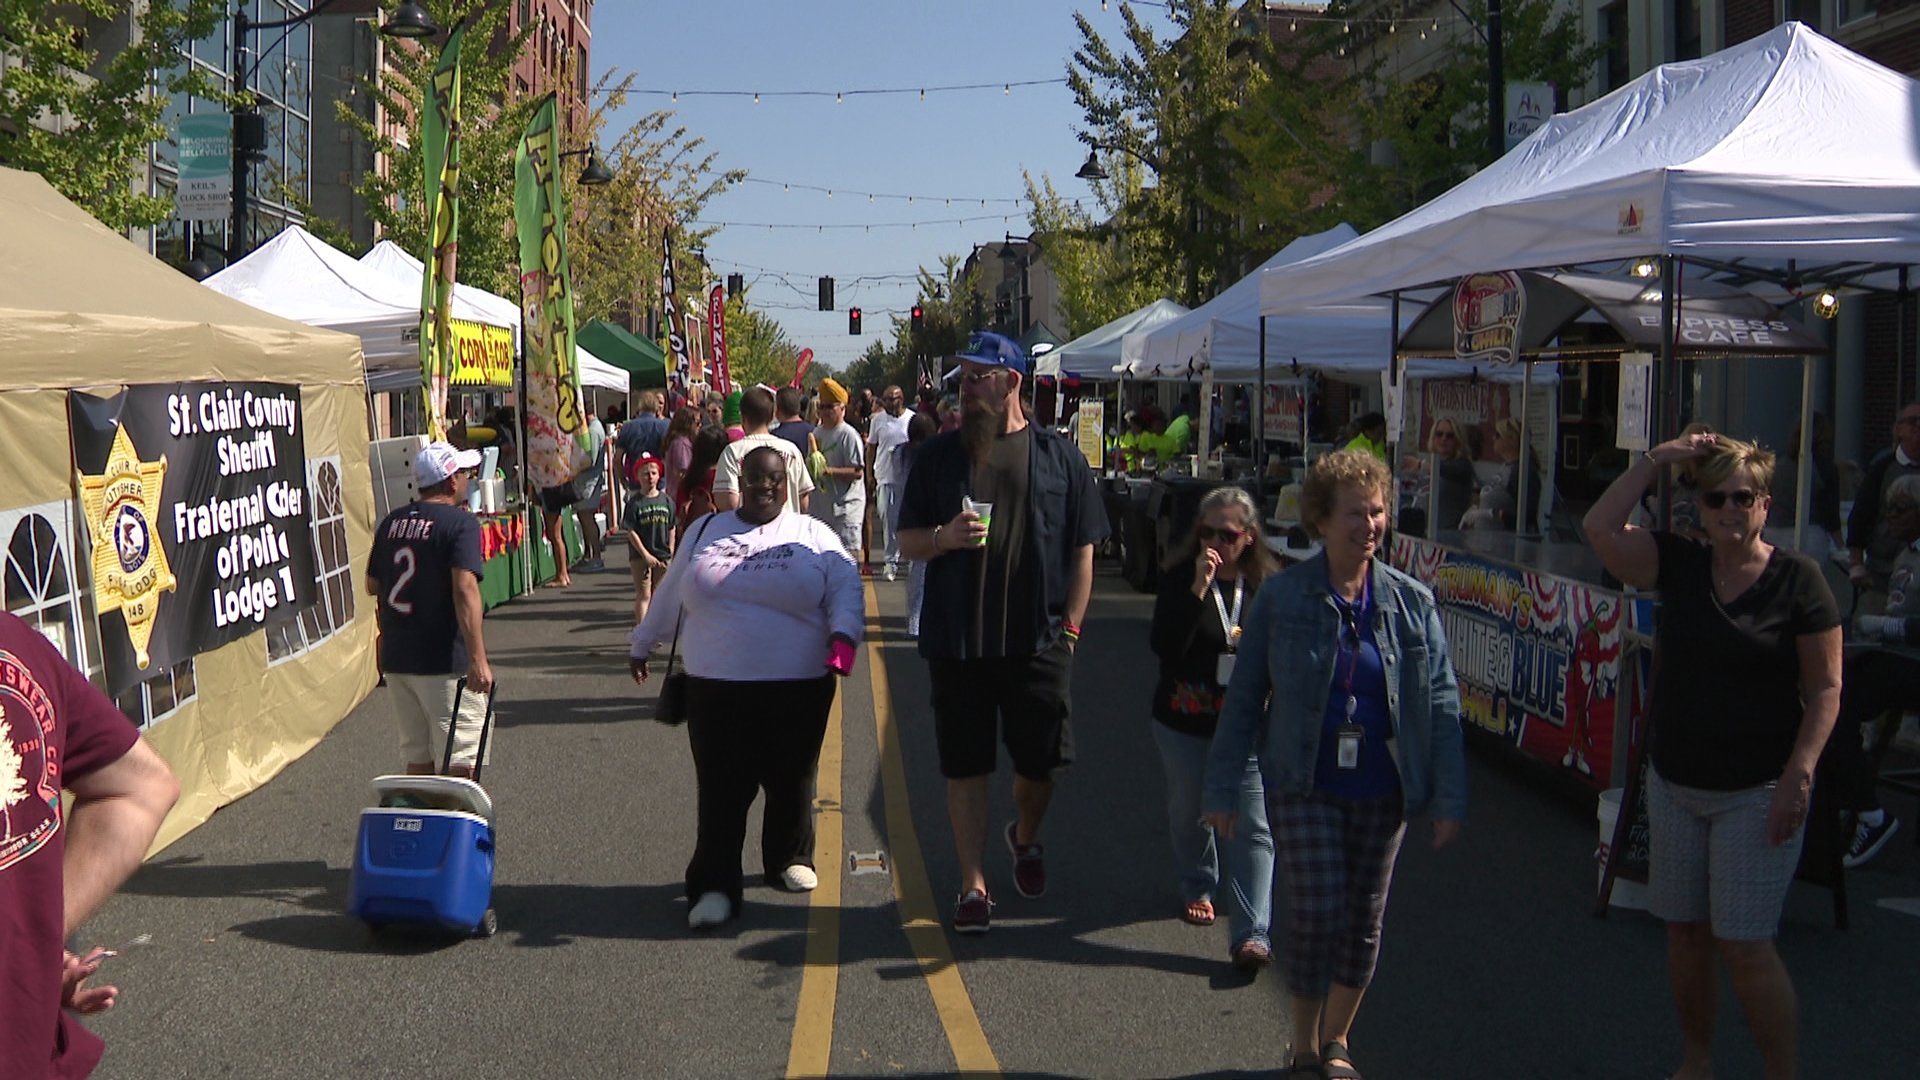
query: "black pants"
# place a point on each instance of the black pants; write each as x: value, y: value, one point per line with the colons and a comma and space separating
x: 1871, y: 683
x: 748, y: 737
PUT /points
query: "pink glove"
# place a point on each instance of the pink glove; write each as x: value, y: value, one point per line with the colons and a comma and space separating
x: 840, y: 656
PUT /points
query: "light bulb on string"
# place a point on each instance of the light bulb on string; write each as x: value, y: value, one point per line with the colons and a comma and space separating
x: 923, y: 93
x: 1346, y: 28
x: 1293, y: 26
x: 1007, y: 90
x: 836, y: 98
x: 676, y: 97
x: 1436, y: 26
x: 756, y: 98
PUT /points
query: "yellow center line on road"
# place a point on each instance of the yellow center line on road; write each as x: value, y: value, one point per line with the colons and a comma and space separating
x: 812, y: 1048
x: 912, y: 891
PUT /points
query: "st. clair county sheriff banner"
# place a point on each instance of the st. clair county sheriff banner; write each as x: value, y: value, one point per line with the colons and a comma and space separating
x: 197, y: 516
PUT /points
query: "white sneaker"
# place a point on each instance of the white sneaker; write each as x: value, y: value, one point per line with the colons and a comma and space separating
x: 892, y: 571
x: 712, y: 909
x: 799, y: 878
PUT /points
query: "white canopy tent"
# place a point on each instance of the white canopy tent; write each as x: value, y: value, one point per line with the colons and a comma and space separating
x: 1096, y: 353
x: 1788, y: 146
x: 393, y: 260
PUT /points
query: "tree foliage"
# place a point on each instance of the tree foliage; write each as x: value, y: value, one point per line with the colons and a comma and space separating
x: 1096, y: 265
x: 758, y: 349
x: 946, y: 300
x: 98, y: 105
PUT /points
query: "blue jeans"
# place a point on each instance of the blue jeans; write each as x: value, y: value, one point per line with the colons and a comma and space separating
x: 1249, y: 855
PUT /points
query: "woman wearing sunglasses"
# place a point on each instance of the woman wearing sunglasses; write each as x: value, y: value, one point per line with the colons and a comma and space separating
x: 1206, y: 587
x: 1345, y: 665
x: 1749, y: 686
x: 1457, y: 480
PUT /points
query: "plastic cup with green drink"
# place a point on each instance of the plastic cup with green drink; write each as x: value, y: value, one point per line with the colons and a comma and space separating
x: 985, y: 510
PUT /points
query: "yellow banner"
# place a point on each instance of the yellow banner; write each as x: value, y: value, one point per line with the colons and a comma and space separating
x: 482, y: 354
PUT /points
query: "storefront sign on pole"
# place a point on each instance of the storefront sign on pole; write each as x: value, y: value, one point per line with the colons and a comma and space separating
x: 1284, y: 413
x: 1091, y: 433
x: 205, y: 190
x: 1634, y: 425
x: 1529, y: 104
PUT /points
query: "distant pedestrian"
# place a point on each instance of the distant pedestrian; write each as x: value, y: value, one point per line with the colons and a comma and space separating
x: 730, y: 415
x: 756, y: 415
x: 426, y: 568
x: 841, y: 498
x: 64, y: 857
x: 591, y: 486
x: 923, y: 428
x: 648, y: 522
x: 1197, y: 618
x: 1006, y: 595
x: 678, y: 443
x: 767, y: 608
x: 716, y: 409
x: 1749, y: 687
x: 694, y: 499
x: 886, y: 434
x: 646, y: 433
x: 1370, y: 434
x: 787, y: 406
x: 1344, y: 665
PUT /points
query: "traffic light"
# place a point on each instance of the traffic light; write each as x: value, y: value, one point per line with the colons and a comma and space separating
x: 736, y: 284
x: 918, y: 321
x: 853, y: 320
x: 826, y: 294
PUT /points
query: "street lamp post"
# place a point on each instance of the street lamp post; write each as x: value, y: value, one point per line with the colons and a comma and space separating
x: 1092, y: 170
x: 409, y: 20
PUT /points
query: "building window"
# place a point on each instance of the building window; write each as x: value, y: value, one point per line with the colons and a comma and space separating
x: 333, y: 569
x: 583, y: 69
x: 1846, y: 11
x: 1614, y: 30
x: 149, y: 702
x: 1686, y: 29
x: 525, y: 13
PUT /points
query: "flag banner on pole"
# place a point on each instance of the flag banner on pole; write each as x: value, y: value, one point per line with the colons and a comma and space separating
x: 670, y: 315
x: 800, y: 365
x: 717, y: 330
x: 696, y: 344
x: 557, y: 448
x: 440, y: 153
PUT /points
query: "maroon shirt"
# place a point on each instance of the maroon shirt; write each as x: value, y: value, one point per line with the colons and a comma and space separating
x: 54, y: 726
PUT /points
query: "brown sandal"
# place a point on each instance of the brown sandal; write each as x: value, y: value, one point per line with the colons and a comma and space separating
x: 1199, y: 913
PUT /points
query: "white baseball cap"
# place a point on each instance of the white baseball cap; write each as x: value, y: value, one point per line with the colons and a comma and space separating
x: 437, y: 461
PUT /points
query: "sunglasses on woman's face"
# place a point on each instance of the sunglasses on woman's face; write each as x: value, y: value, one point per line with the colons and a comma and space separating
x: 1717, y: 500
x: 1444, y: 435
x: 1900, y: 507
x: 1208, y: 534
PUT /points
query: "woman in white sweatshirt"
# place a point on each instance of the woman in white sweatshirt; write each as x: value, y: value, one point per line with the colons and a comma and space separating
x: 769, y: 607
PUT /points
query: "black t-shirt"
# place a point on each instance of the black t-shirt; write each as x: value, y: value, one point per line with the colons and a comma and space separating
x: 1726, y: 695
x: 416, y: 549
x: 1188, y: 637
x: 1001, y: 480
x: 650, y: 518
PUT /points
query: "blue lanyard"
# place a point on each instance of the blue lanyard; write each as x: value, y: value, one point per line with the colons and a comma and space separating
x: 1352, y: 615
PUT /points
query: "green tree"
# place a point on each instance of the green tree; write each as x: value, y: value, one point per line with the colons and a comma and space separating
x: 1169, y: 104
x: 1099, y: 276
x: 101, y: 110
x: 493, y: 118
x: 758, y: 349
x: 946, y: 300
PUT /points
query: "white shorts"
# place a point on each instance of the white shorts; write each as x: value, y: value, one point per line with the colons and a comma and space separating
x: 1710, y: 860
x: 422, y: 705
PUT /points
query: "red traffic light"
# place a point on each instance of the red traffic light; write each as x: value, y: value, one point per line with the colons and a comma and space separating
x: 918, y: 320
x: 853, y: 320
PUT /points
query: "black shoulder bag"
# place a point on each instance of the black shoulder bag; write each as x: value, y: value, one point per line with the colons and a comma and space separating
x: 672, y: 706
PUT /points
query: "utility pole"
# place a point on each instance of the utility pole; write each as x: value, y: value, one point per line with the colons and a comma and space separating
x: 1496, y: 85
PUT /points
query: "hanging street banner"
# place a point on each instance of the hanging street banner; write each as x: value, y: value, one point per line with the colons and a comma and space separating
x: 696, y: 350
x: 482, y: 354
x: 556, y: 428
x: 717, y: 333
x: 440, y: 153
x: 670, y: 315
x: 205, y: 188
x: 1487, y: 312
x: 197, y: 515
x: 800, y: 365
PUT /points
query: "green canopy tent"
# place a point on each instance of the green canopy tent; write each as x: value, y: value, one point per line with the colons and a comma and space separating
x: 642, y: 359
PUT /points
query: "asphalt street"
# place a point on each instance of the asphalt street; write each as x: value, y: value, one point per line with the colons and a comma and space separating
x: 238, y: 958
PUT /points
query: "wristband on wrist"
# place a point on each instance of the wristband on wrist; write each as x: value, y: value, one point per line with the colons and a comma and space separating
x: 1072, y: 630
x: 936, y: 538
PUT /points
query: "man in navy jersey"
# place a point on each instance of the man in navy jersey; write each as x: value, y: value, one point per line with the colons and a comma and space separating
x: 426, y: 570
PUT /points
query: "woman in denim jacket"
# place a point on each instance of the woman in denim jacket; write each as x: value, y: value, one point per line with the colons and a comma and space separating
x: 1346, y: 668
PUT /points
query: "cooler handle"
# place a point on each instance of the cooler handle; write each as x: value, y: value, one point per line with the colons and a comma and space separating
x: 453, y: 728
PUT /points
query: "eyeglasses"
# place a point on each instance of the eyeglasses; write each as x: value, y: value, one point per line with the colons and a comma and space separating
x: 973, y: 377
x: 1208, y: 533
x: 1445, y: 435
x: 1901, y: 507
x: 763, y: 480
x: 1349, y: 629
x: 1717, y: 500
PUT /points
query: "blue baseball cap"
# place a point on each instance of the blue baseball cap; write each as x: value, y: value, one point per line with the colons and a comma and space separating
x: 995, y: 350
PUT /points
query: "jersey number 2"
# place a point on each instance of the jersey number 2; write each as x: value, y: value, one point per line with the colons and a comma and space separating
x: 403, y: 559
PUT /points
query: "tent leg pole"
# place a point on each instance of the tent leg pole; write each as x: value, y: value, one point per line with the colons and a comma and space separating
x: 1803, y: 488
x: 1900, y: 345
x: 1260, y: 410
x: 1523, y: 510
x: 1393, y: 433
x: 1667, y: 412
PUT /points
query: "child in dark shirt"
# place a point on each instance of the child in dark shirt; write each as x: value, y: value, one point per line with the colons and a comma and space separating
x: 648, y: 523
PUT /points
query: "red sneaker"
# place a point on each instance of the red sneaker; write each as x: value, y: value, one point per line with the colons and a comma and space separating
x: 1029, y: 865
x: 972, y: 913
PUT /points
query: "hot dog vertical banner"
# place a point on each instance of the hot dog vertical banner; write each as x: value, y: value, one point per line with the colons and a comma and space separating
x: 198, y: 526
x: 717, y: 333
x: 556, y: 428
x: 440, y: 152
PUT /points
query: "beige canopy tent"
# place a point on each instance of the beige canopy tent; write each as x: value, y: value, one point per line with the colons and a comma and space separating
x: 83, y: 309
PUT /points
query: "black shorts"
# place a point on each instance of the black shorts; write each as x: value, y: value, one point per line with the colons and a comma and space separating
x: 556, y: 499
x: 1028, y: 699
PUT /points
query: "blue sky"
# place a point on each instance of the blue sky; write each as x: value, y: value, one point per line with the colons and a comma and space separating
x: 966, y: 145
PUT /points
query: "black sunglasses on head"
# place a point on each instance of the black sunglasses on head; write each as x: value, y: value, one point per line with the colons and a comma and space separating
x: 1716, y: 500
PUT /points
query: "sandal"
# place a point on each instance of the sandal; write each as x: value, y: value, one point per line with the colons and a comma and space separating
x: 1251, y: 956
x: 1199, y: 913
x: 1305, y: 1067
x: 1338, y: 1050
